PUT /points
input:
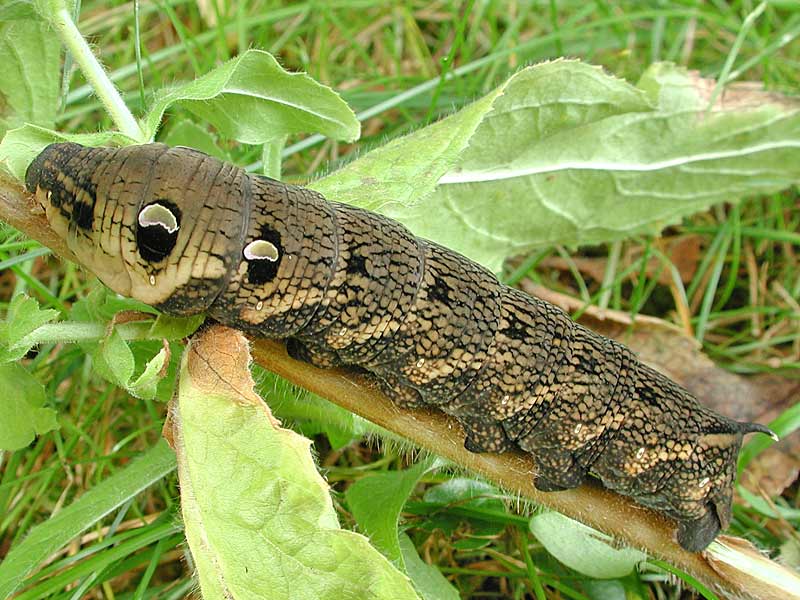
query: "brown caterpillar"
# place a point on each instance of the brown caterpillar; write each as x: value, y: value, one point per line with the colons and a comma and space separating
x: 187, y: 233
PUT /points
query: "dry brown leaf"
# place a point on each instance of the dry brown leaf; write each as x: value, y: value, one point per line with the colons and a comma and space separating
x: 682, y: 251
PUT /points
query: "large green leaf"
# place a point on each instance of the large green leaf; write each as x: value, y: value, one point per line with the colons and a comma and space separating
x: 258, y: 516
x: 252, y: 99
x: 47, y: 538
x: 30, y: 54
x: 563, y: 153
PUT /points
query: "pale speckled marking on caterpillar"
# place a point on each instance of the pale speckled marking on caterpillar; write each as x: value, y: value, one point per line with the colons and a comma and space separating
x: 187, y: 233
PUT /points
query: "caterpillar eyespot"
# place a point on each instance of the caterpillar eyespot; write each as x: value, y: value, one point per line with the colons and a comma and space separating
x: 261, y: 250
x: 430, y: 326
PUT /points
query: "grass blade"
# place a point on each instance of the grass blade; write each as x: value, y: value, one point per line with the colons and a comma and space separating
x: 53, y: 534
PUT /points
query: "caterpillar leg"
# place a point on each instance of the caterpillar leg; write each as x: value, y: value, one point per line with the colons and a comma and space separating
x: 695, y: 535
x: 309, y: 353
x: 484, y: 436
x: 545, y: 485
x: 401, y: 394
x: 557, y: 472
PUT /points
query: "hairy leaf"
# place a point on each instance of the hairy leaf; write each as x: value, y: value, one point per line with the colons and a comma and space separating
x: 563, y: 153
x: 23, y: 318
x: 30, y: 53
x: 252, y: 99
x: 258, y: 517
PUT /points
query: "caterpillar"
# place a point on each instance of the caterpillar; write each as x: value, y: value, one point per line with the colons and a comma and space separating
x: 187, y: 233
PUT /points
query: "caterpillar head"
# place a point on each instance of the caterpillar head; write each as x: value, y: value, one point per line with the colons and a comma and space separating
x: 154, y: 223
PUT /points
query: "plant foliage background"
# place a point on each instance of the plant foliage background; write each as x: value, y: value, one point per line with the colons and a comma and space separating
x: 94, y: 495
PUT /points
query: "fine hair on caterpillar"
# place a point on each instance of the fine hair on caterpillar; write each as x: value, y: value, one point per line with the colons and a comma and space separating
x: 189, y: 234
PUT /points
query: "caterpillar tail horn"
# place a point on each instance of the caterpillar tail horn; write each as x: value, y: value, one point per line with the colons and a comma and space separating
x: 746, y: 428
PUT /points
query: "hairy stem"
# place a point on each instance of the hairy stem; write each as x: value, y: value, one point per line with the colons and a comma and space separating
x: 53, y: 333
x: 96, y: 75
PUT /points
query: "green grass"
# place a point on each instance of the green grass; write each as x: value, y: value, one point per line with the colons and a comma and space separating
x: 401, y: 65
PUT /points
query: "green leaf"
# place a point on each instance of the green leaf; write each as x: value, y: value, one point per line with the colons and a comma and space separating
x: 258, y: 517
x: 169, y: 327
x: 252, y: 99
x: 17, y: 9
x: 582, y: 548
x: 465, y: 492
x: 563, y: 153
x: 114, y: 360
x: 406, y: 170
x: 24, y: 316
x: 190, y: 134
x: 428, y: 580
x: 101, y: 304
x: 605, y: 590
x: 48, y: 8
x: 30, y: 53
x: 47, y: 538
x: 376, y: 501
x: 20, y: 146
x: 22, y: 406
x: 468, y: 493
x: 146, y: 385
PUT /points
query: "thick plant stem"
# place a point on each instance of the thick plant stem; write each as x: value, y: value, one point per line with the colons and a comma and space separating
x: 96, y: 75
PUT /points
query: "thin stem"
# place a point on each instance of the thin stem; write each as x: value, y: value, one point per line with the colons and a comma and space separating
x: 95, y: 75
x: 271, y: 157
x: 52, y: 333
x: 137, y: 36
x: 610, y: 275
x: 724, y: 76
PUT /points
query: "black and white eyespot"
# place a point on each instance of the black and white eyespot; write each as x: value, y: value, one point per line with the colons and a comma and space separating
x: 263, y: 257
x: 157, y: 229
x: 261, y: 250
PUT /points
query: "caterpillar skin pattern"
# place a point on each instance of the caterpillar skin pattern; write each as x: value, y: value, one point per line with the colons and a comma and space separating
x: 189, y: 234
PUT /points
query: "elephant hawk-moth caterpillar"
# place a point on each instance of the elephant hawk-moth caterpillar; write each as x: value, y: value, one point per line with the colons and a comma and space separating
x: 187, y: 233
